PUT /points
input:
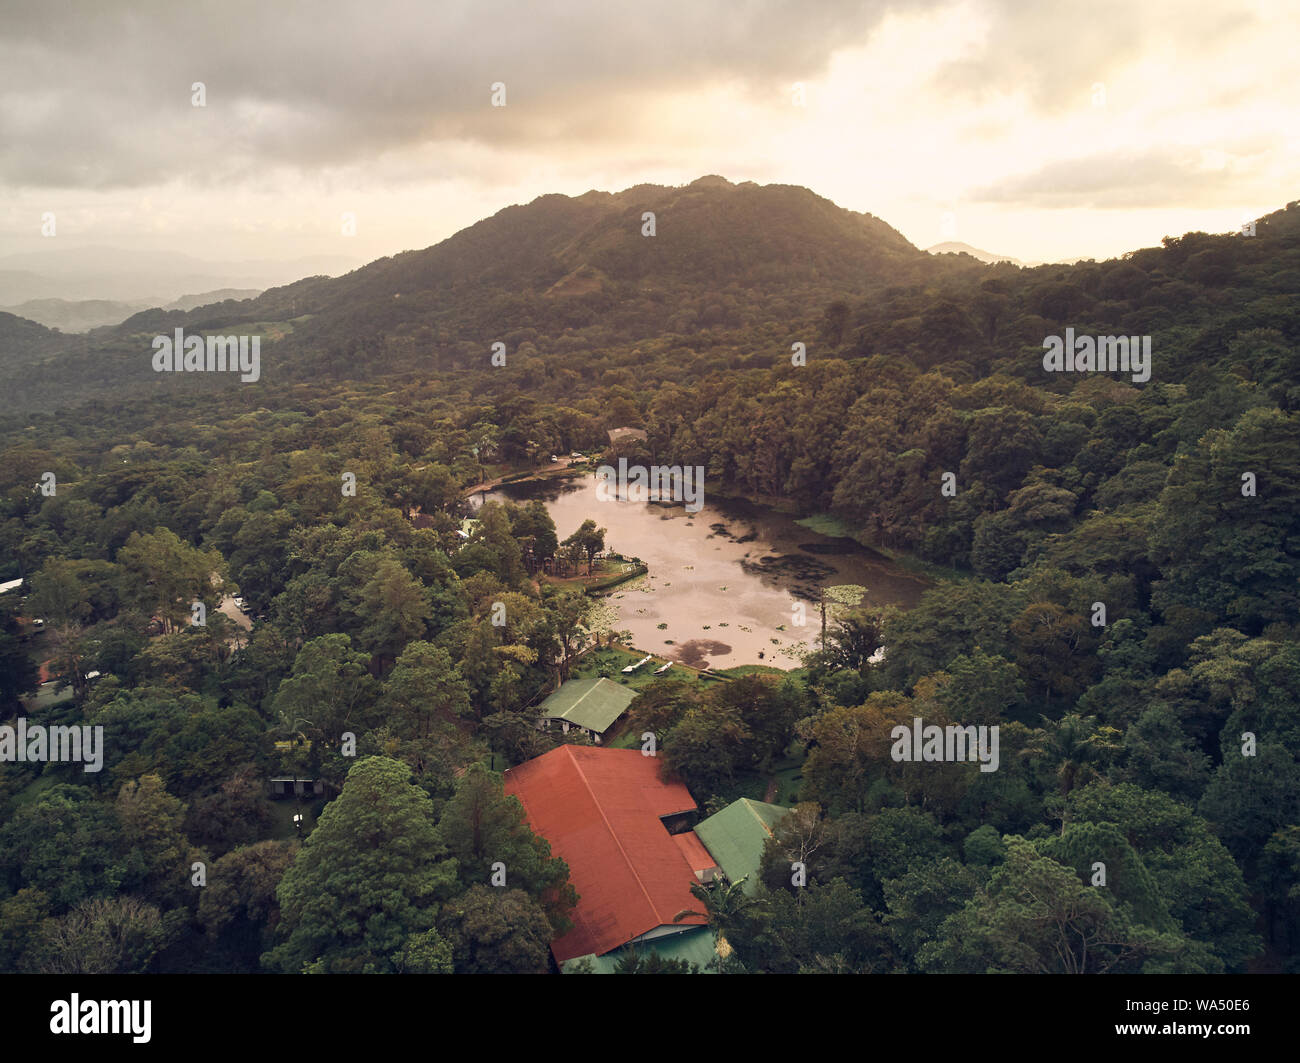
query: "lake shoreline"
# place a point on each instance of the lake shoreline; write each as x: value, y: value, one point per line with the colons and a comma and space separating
x: 734, y: 583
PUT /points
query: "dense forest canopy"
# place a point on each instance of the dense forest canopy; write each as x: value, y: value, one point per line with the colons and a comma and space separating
x: 1173, y: 504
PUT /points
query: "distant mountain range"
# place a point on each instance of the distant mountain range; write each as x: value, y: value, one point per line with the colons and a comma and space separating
x: 563, y: 281
x: 85, y: 314
x: 956, y: 247
x: 151, y: 278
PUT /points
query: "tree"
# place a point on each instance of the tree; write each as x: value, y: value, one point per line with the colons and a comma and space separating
x: 532, y: 523
x: 64, y: 844
x: 238, y: 813
x: 329, y: 692
x: 18, y: 672
x: 101, y: 935
x: 158, y: 855
x: 1036, y: 917
x: 1074, y: 746
x: 391, y: 609
x: 482, y: 825
x: 237, y: 908
x: 370, y: 875
x: 920, y: 900
x: 850, y: 745
x: 795, y: 838
x: 818, y: 929
x: 569, y: 610
x: 496, y: 931
x: 427, y: 952
x: 651, y: 962
x: 1221, y: 550
x: 424, y: 686
x: 164, y: 575
x: 706, y: 748
x: 1196, y: 875
x: 589, y: 539
x: 1052, y: 647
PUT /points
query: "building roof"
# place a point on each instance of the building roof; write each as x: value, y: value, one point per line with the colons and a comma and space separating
x: 591, y: 703
x: 694, y: 946
x: 10, y: 585
x: 694, y: 852
x: 736, y: 837
x: 601, y: 811
x: 615, y: 434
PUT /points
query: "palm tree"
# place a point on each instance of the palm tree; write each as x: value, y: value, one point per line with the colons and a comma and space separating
x: 1076, y: 745
x: 726, y: 905
x: 724, y: 902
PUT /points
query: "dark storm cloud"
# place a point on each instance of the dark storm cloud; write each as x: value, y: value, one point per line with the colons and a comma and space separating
x: 97, y: 95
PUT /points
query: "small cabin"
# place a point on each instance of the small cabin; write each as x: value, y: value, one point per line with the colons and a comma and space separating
x: 293, y: 786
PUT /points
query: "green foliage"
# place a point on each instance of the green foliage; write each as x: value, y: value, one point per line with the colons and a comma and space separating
x: 371, y: 614
x: 369, y: 876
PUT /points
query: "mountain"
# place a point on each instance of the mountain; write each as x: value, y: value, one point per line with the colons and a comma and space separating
x: 722, y: 256
x: 150, y: 278
x: 75, y: 315
x: 956, y: 247
x: 22, y: 342
x: 85, y: 314
x: 710, y: 275
x: 565, y: 262
x: 190, y: 302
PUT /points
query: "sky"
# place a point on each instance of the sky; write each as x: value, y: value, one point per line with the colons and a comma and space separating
x: 1045, y: 131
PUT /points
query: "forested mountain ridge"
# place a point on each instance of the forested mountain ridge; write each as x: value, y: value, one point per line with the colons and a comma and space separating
x: 734, y: 274
x: 722, y: 255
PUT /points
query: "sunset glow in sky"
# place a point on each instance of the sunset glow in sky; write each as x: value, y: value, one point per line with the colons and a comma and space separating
x: 1041, y: 131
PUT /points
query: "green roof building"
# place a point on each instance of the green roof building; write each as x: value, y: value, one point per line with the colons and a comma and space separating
x: 735, y: 837
x: 694, y: 946
x: 591, y: 705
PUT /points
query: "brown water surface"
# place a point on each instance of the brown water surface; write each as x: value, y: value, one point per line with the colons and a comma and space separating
x: 724, y: 583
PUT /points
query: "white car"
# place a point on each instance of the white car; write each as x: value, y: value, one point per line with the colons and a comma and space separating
x: 241, y: 605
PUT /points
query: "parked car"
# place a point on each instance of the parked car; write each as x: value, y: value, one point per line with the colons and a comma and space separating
x: 241, y: 605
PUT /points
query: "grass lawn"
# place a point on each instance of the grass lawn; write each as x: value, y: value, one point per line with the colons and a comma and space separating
x: 752, y: 669
x: 788, y: 781
x: 611, y: 662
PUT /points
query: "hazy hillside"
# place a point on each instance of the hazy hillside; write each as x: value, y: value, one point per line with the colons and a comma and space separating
x: 190, y: 302
x: 956, y: 247
x: 733, y: 274
x: 22, y: 341
x: 75, y: 315
x: 723, y: 255
x: 143, y: 277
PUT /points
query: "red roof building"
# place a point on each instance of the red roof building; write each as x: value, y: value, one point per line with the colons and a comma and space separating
x: 603, y: 812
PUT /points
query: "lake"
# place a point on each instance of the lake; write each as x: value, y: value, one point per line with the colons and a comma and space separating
x: 724, y: 582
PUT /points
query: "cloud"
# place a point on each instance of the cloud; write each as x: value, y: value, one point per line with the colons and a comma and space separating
x: 98, y: 95
x: 1134, y: 180
x: 1052, y: 54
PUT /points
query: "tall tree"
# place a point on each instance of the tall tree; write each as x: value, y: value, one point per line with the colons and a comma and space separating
x: 366, y: 881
